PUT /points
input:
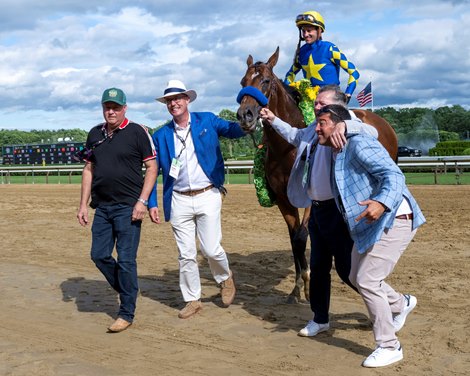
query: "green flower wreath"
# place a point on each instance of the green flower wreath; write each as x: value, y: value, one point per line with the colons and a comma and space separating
x: 307, y: 99
x: 266, y: 196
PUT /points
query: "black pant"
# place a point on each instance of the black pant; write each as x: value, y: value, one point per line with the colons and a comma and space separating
x: 329, y: 238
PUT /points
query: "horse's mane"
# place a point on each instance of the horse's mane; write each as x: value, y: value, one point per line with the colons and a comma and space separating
x: 291, y: 92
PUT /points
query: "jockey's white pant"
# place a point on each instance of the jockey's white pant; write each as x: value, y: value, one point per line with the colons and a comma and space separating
x: 198, y: 215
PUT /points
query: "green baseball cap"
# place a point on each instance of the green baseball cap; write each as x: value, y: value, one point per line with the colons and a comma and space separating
x: 114, y: 95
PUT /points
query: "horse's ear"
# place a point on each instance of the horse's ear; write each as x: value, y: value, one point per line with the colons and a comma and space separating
x: 273, y: 59
x: 249, y: 61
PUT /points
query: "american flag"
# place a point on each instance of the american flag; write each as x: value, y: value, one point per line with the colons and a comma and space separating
x: 365, y: 95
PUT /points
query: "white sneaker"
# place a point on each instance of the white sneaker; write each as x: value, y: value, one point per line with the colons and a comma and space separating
x: 400, y: 318
x: 312, y: 329
x: 383, y: 357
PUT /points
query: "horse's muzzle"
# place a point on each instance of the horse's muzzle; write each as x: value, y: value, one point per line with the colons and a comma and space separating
x: 248, y: 119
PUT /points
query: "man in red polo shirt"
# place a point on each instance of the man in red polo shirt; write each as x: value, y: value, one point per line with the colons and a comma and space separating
x: 112, y: 177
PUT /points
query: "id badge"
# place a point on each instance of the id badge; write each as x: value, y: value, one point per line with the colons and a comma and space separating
x: 305, y: 173
x: 175, y: 168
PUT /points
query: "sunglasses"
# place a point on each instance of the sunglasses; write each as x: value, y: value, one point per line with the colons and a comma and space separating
x: 325, y: 110
x: 176, y: 99
x: 86, y: 153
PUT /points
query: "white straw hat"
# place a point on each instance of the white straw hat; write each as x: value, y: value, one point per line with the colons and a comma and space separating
x: 176, y: 87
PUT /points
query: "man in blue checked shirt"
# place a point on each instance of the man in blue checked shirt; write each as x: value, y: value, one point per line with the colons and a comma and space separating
x: 309, y: 186
x: 382, y: 217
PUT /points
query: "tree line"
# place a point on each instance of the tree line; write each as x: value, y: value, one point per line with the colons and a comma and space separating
x: 416, y: 127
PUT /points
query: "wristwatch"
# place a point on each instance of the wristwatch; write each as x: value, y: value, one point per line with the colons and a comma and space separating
x: 145, y: 202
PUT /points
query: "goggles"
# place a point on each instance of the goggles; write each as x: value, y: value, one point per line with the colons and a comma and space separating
x: 309, y: 19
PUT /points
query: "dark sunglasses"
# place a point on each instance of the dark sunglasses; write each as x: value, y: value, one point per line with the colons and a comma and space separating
x: 86, y: 153
x: 326, y: 110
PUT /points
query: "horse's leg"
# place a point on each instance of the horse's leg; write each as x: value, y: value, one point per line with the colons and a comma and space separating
x: 298, y: 238
x: 303, y: 232
x: 305, y: 219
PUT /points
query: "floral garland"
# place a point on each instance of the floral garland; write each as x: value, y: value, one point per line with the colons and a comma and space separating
x: 266, y: 197
x: 308, y: 94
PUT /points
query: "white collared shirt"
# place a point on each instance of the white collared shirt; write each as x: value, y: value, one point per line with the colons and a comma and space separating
x: 191, y: 175
x: 319, y: 188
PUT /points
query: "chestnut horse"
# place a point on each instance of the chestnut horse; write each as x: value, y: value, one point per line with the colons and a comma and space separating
x: 280, y: 155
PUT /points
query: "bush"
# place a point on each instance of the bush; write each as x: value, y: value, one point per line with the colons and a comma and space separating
x: 450, y: 148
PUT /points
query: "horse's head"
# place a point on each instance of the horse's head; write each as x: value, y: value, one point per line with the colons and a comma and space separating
x: 259, y: 75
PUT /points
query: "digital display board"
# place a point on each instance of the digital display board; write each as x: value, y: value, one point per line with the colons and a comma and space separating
x: 41, y: 154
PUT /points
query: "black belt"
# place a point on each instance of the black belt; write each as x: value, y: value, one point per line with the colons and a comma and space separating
x: 323, y: 203
x: 196, y: 192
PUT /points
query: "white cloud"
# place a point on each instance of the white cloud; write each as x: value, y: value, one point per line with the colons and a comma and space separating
x: 57, y: 58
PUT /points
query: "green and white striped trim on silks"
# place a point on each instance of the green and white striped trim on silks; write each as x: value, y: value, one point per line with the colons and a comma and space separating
x: 266, y: 196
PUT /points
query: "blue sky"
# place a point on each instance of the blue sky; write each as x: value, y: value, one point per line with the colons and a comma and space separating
x: 57, y: 57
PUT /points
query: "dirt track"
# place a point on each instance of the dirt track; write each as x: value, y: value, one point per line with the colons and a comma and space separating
x: 56, y: 305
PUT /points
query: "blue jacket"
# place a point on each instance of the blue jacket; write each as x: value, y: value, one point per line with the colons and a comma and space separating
x: 364, y: 170
x: 205, y: 131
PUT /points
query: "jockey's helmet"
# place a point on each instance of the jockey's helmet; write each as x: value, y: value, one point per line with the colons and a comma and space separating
x: 312, y: 18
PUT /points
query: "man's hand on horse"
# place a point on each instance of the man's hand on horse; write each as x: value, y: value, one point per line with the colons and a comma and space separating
x: 338, y: 137
x: 267, y: 114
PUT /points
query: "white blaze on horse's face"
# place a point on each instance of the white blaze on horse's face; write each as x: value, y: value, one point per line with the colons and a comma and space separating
x: 254, y: 75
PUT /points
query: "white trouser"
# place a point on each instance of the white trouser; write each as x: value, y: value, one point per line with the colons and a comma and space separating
x: 198, y: 215
x: 368, y: 272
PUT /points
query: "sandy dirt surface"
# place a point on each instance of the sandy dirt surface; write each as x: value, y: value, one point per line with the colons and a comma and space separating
x: 56, y: 306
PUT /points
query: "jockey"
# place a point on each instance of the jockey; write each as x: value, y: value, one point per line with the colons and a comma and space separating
x: 319, y: 60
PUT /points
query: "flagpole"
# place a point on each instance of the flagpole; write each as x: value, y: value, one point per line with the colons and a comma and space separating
x: 372, y: 93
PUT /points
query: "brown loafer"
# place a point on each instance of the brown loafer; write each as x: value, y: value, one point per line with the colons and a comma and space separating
x: 227, y: 290
x: 190, y: 309
x: 119, y: 325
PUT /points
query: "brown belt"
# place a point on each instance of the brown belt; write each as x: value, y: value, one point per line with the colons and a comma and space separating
x: 195, y: 192
x: 405, y: 216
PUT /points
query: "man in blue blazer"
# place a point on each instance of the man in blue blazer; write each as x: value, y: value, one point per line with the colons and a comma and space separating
x: 189, y: 156
x: 382, y: 218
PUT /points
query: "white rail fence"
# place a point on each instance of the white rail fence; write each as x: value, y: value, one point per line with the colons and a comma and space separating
x: 438, y: 165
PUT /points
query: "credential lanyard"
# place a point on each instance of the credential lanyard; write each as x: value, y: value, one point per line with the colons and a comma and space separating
x: 182, y: 140
x: 308, y: 164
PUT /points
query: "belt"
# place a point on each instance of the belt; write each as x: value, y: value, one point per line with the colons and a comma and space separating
x: 405, y: 216
x: 195, y: 192
x: 323, y: 203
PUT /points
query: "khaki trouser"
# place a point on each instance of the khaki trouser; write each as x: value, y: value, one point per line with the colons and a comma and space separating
x: 368, y: 272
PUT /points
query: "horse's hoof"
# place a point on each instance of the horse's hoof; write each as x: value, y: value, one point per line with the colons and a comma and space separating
x: 291, y: 299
